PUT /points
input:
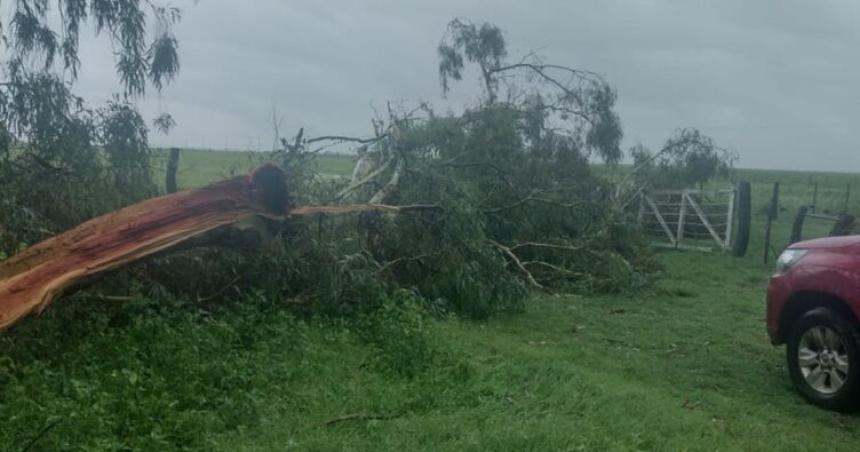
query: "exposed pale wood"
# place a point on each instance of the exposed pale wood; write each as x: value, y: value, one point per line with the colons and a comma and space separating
x: 32, y: 279
x: 516, y: 260
x: 390, y: 186
x: 223, y: 212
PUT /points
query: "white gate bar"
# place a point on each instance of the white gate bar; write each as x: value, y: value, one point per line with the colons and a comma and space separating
x: 681, y: 217
x: 730, y: 220
x: 704, y: 220
x: 660, y: 219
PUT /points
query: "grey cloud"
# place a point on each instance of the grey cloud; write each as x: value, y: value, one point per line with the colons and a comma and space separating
x: 774, y: 80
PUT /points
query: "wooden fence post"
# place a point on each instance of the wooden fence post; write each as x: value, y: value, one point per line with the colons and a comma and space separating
x: 797, y: 226
x: 814, y: 196
x: 744, y: 212
x: 844, y: 225
x: 771, y: 215
x: 172, y: 167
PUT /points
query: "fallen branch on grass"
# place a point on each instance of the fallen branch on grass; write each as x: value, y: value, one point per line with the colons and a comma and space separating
x: 34, y: 278
x: 516, y: 260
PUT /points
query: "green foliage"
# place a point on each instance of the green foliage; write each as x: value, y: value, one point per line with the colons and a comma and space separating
x: 497, y: 201
x: 34, y: 38
x: 69, y: 164
x: 62, y: 162
x: 555, y: 101
x: 403, y: 338
x: 482, y: 45
x: 653, y: 371
x: 127, y: 379
x: 495, y: 183
x: 687, y: 159
x: 162, y: 374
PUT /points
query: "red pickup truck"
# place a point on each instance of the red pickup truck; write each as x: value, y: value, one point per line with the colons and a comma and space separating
x: 813, y: 306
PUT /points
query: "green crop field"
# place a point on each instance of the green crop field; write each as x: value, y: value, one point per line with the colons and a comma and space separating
x: 684, y: 365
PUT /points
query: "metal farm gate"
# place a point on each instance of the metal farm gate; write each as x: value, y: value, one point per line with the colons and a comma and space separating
x: 697, y: 220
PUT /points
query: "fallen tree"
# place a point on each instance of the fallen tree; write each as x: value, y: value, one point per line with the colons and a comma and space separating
x: 505, y: 202
x: 32, y: 279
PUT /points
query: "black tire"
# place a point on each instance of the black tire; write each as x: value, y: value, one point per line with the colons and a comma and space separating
x: 743, y: 206
x: 822, y: 319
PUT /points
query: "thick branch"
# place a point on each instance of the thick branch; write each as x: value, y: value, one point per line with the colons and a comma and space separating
x: 356, y: 185
x: 391, y: 185
x: 34, y: 278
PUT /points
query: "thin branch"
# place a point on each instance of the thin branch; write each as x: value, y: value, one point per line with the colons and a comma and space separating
x: 343, y: 139
x: 394, y: 262
x: 649, y: 160
x: 220, y: 291
x: 551, y: 266
x: 540, y: 70
x: 531, y: 198
x: 356, y: 185
x: 508, y: 252
x: 546, y: 245
x: 502, y: 173
x: 357, y: 208
x: 41, y: 434
x: 117, y: 298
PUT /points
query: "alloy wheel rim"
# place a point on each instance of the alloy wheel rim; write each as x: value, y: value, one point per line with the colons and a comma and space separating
x: 823, y: 359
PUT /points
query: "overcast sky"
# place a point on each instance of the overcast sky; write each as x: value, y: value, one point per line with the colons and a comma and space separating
x: 776, y: 81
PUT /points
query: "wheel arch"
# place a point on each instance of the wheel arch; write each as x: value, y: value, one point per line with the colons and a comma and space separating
x: 805, y: 301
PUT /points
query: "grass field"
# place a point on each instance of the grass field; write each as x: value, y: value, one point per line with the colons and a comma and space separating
x: 683, y: 366
x: 200, y: 167
x: 687, y: 367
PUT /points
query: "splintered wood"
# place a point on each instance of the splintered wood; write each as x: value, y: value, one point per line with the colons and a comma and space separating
x: 31, y: 280
x: 34, y: 278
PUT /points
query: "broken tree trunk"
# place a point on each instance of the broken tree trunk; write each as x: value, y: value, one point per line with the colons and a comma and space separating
x: 31, y: 280
x: 34, y: 278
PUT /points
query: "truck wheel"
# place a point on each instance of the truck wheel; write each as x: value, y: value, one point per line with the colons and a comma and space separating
x: 823, y: 360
